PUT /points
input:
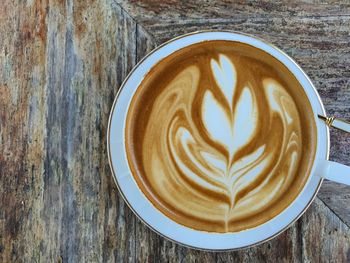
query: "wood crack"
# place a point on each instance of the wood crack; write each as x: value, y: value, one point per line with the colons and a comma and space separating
x: 137, y: 23
x: 341, y: 220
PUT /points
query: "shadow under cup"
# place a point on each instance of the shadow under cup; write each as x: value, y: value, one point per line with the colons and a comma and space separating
x: 220, y: 136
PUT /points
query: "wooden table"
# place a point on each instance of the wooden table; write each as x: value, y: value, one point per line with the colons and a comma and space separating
x: 62, y: 63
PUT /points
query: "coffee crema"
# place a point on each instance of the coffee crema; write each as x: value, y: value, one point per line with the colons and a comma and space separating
x: 220, y: 136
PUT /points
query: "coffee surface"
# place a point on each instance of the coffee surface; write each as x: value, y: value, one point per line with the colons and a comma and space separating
x: 220, y: 136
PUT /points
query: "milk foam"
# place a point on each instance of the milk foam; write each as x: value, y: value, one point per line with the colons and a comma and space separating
x: 223, y: 149
x: 230, y: 125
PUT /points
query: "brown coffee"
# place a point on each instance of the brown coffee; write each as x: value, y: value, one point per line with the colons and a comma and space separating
x: 220, y: 136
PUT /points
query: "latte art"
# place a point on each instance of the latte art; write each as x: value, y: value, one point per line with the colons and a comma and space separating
x: 221, y: 145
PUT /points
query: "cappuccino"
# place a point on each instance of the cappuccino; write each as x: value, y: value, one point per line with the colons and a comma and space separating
x: 219, y: 136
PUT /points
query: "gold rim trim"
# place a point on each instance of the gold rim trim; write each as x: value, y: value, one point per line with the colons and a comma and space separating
x: 109, y: 134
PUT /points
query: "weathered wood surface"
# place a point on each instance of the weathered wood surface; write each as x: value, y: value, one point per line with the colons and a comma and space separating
x: 61, y: 63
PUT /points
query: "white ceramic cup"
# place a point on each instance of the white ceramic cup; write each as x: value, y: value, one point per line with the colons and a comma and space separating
x: 142, y: 207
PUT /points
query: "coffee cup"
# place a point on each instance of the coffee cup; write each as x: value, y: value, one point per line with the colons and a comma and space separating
x: 218, y: 140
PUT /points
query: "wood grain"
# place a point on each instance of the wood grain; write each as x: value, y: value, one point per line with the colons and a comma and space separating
x: 149, y: 12
x: 58, y: 200
x: 61, y: 63
x: 85, y: 219
x: 337, y: 197
x: 22, y: 126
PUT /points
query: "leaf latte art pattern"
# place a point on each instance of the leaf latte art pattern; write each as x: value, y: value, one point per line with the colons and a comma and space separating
x: 221, y: 146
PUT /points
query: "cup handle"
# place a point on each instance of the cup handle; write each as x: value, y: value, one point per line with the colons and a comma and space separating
x: 334, y: 171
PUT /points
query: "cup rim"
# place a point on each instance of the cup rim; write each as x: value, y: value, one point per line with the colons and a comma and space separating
x: 315, y: 95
